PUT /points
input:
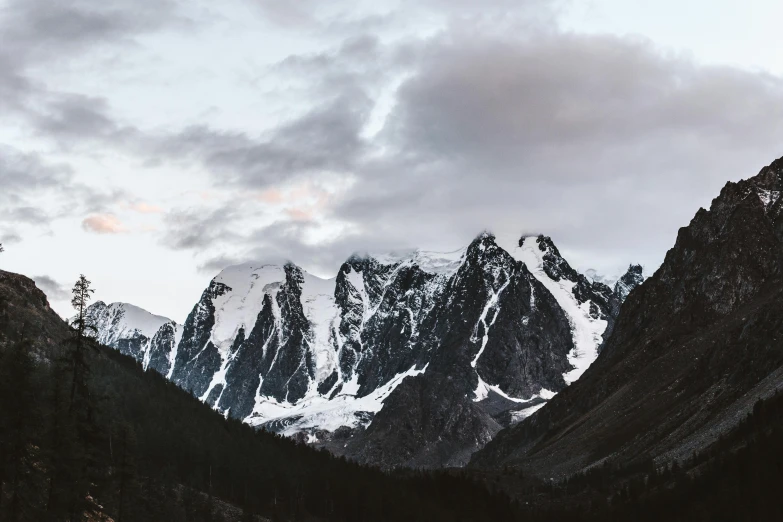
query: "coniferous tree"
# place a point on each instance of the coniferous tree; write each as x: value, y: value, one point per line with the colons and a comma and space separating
x: 73, y: 434
x: 81, y: 294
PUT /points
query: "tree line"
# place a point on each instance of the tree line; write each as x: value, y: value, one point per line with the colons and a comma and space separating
x: 90, y: 435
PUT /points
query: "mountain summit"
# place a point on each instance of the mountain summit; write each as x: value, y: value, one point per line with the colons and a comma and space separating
x: 451, y: 346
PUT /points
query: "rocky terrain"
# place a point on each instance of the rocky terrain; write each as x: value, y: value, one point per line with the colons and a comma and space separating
x: 25, y: 312
x: 692, y: 349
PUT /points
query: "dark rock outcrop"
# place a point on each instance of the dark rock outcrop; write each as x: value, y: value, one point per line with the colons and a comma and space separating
x: 25, y: 311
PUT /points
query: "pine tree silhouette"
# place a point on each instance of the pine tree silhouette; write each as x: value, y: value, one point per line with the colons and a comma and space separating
x: 81, y: 296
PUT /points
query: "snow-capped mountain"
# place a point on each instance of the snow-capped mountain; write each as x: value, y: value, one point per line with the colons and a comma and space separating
x: 506, y: 324
x: 148, y: 338
x: 623, y: 284
x: 630, y: 280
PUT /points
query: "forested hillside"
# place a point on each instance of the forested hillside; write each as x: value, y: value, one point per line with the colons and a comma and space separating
x: 130, y: 446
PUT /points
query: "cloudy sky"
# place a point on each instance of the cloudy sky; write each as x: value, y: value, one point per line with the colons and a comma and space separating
x: 149, y: 143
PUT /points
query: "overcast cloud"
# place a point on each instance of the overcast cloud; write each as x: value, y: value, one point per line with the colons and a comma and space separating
x: 169, y: 139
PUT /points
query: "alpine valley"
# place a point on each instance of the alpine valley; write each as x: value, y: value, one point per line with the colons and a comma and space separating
x: 544, y: 393
x: 416, y: 359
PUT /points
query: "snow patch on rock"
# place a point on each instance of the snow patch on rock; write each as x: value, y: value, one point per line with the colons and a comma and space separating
x: 768, y: 197
x: 239, y: 307
x: 587, y: 331
x: 318, y: 412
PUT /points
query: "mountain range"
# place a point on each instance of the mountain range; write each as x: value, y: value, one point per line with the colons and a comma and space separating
x: 432, y: 360
x: 415, y: 359
x: 657, y: 399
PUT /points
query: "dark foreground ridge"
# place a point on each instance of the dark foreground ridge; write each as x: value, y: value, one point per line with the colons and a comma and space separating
x: 694, y: 347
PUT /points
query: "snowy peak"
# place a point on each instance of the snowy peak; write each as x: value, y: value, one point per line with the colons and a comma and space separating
x: 148, y: 338
x: 442, y: 263
x: 237, y: 295
x: 122, y: 320
x: 552, y: 262
x: 540, y: 254
x: 632, y: 278
x: 587, y: 305
x: 594, y: 276
x: 489, y: 256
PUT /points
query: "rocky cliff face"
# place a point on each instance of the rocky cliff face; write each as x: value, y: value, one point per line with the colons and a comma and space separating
x: 693, y: 347
x: 25, y: 311
x: 630, y: 280
x: 414, y: 359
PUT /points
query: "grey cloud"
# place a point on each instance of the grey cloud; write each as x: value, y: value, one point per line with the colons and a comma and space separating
x: 327, y: 137
x: 46, y: 29
x: 286, y: 240
x: 53, y: 290
x: 36, y: 192
x: 26, y: 215
x: 14, y: 85
x: 216, y: 264
x: 36, y: 32
x: 324, y: 139
x: 289, y: 14
x: 22, y: 172
x: 340, y: 17
x: 354, y: 56
x: 10, y: 237
x: 353, y: 16
x: 24, y: 176
x: 73, y: 116
x: 199, y: 228
x: 601, y: 142
x: 91, y: 200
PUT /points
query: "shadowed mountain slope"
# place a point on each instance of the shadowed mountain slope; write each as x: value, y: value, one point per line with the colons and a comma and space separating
x: 692, y: 349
